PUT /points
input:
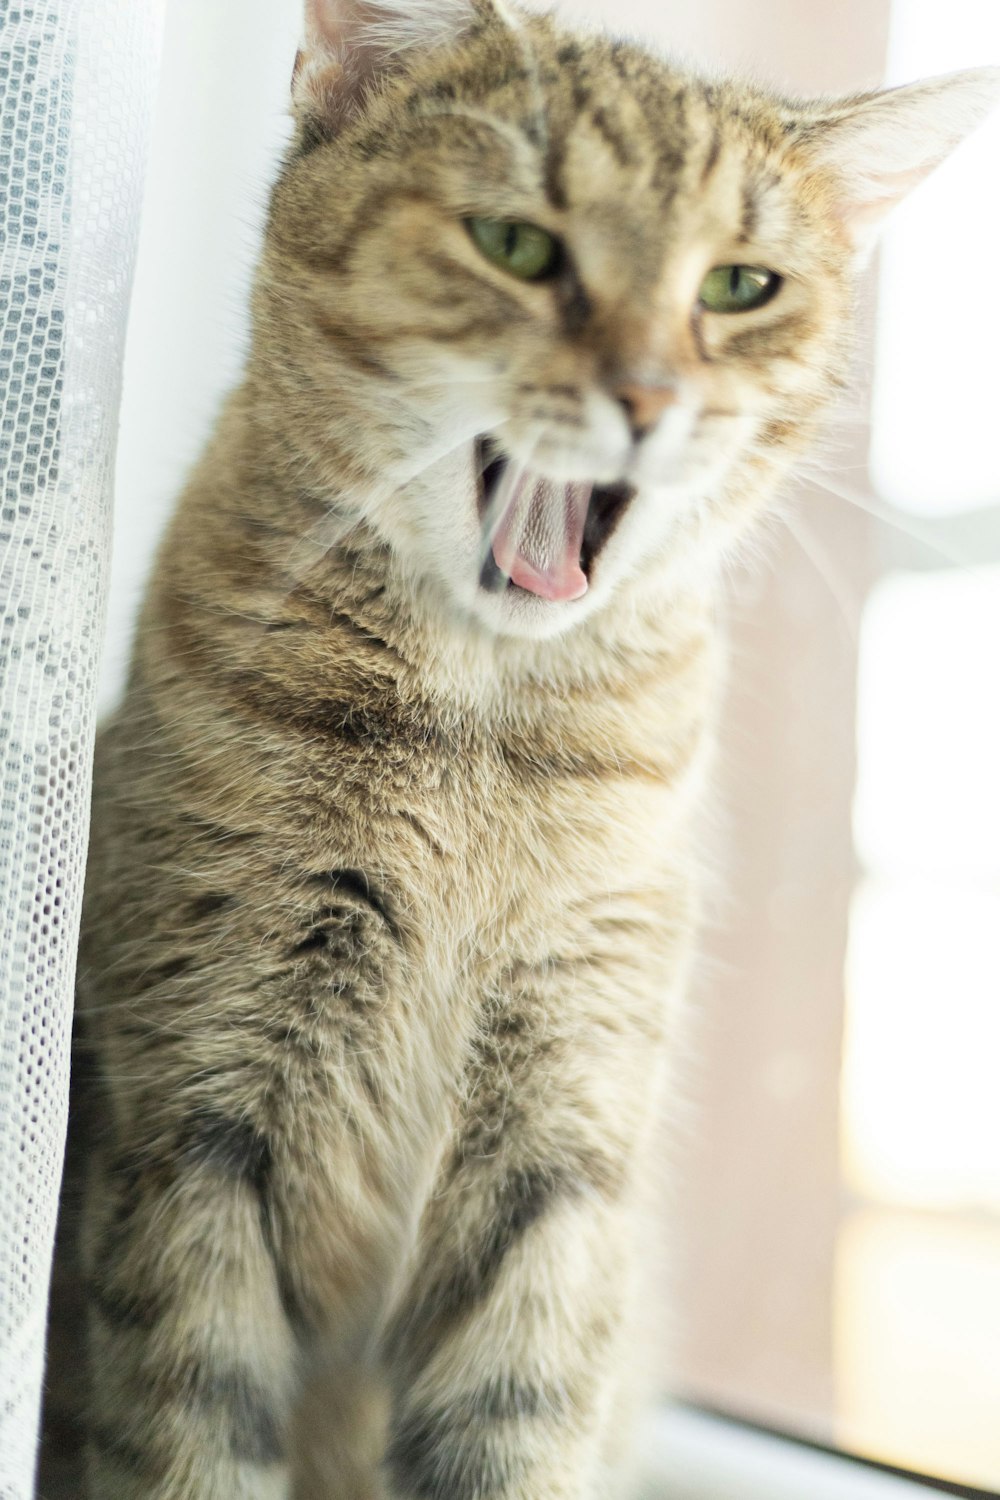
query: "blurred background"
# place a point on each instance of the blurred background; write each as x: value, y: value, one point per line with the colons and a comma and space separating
x: 837, y: 1269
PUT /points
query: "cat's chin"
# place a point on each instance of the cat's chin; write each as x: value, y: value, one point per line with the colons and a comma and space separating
x: 515, y: 612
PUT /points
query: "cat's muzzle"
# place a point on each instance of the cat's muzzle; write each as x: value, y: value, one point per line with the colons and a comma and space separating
x: 552, y: 543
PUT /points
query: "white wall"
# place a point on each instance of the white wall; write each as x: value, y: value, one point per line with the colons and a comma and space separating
x: 221, y: 122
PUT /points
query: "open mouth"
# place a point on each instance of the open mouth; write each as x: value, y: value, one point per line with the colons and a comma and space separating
x: 543, y: 535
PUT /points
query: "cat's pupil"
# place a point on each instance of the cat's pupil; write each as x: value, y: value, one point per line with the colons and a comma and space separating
x: 735, y: 276
x: 510, y: 240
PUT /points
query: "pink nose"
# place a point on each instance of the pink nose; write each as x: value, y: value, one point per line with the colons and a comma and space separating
x: 644, y: 405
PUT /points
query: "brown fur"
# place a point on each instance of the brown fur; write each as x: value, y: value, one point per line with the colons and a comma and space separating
x: 389, y: 906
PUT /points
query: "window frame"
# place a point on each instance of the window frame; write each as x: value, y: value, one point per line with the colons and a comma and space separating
x: 693, y: 1452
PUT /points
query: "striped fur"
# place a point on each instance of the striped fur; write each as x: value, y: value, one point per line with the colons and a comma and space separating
x: 392, y: 881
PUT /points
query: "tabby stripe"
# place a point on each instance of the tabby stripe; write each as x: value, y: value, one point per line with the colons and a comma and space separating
x: 505, y: 305
x: 111, y: 1446
x: 248, y: 1412
x: 371, y: 728
x: 521, y: 1200
x: 336, y: 258
x: 530, y: 762
x: 773, y: 338
x: 313, y: 133
x: 234, y: 1148
x: 712, y: 159
x: 357, y: 347
x: 582, y: 95
x: 552, y: 183
x: 750, y: 214
x: 434, y: 1455
x: 211, y: 903
x: 302, y: 1317
x: 435, y: 846
x: 256, y: 1430
x: 483, y: 325
x: 356, y: 884
x: 473, y: 328
x: 216, y: 833
x: 575, y: 303
x: 448, y: 1449
x: 618, y: 142
x: 361, y: 633
x: 698, y: 334
x: 120, y: 1309
x: 157, y: 974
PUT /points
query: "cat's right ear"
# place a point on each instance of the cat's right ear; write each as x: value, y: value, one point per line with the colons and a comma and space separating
x: 881, y: 146
x: 349, y: 45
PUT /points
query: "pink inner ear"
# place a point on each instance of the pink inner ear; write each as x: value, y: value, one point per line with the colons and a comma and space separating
x: 863, y: 215
x: 333, y: 64
x: 883, y: 145
x: 337, y: 28
x: 328, y: 24
x: 383, y: 28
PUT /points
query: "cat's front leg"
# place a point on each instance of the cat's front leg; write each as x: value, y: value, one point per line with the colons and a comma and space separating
x: 509, y: 1383
x: 508, y: 1350
x: 193, y: 1358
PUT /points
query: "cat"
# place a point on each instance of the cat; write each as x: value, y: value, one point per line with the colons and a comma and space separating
x: 393, y: 877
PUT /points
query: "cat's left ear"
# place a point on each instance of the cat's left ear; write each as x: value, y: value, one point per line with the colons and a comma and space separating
x: 349, y: 44
x: 880, y: 146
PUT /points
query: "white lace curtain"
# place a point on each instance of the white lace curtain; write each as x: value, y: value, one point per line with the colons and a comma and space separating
x: 77, y: 81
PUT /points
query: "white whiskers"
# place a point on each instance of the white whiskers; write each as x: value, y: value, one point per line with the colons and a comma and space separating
x: 978, y: 531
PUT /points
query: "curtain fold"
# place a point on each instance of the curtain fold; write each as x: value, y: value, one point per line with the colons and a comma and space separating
x: 77, y: 83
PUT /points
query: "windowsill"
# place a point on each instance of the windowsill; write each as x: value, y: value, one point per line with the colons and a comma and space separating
x: 690, y: 1455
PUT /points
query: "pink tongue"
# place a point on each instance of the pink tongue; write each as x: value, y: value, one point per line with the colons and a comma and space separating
x: 537, y: 543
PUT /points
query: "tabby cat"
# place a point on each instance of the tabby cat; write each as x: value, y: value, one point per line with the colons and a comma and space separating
x: 392, y: 882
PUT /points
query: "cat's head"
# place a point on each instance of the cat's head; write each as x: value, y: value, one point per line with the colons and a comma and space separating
x: 543, y: 310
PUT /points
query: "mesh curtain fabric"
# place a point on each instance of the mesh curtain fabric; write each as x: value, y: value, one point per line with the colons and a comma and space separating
x: 77, y: 82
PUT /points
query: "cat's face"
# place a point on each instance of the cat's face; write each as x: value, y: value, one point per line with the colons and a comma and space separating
x: 550, y: 302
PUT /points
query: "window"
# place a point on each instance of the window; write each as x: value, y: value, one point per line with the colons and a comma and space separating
x: 843, y: 1268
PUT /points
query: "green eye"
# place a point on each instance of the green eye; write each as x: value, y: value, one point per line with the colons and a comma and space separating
x: 522, y: 249
x: 732, y: 289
